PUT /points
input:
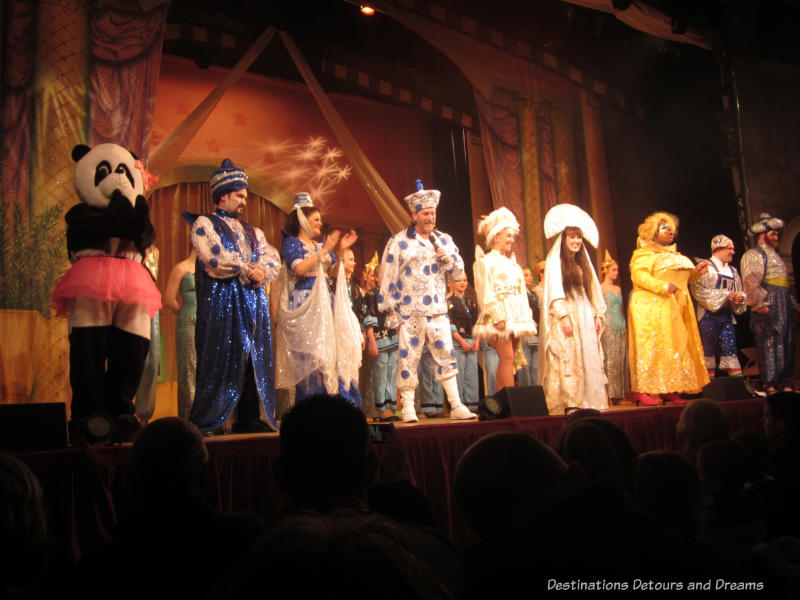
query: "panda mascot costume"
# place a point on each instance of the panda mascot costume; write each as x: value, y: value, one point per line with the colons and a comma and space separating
x: 108, y: 296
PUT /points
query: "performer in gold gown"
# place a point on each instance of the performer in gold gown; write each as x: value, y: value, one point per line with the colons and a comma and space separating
x: 666, y: 354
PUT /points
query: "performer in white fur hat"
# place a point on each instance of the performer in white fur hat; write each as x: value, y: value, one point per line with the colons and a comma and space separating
x: 573, y: 315
x: 414, y: 268
x: 766, y: 282
x: 505, y: 315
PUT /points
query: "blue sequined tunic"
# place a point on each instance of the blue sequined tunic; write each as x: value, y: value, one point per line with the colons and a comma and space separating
x: 233, y: 322
x: 294, y: 251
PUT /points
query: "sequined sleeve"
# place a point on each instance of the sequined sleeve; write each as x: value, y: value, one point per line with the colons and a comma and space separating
x: 707, y: 295
x: 641, y: 274
x: 218, y: 261
x: 388, y: 295
x: 293, y: 251
x: 752, y: 275
x: 268, y: 258
x: 737, y: 285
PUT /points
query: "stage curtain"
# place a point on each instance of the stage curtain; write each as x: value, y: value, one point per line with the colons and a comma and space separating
x: 391, y: 211
x: 501, y: 150
x: 17, y: 69
x: 125, y: 57
x: 174, y: 243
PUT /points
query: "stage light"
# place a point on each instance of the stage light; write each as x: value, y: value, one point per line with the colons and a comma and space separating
x: 366, y: 9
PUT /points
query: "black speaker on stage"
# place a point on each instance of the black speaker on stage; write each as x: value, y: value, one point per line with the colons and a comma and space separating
x: 728, y: 388
x: 32, y: 427
x: 520, y: 401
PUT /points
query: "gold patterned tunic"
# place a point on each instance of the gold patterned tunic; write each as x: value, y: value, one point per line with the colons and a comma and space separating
x: 666, y: 354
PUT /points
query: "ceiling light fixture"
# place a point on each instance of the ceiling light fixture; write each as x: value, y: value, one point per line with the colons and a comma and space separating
x: 366, y: 9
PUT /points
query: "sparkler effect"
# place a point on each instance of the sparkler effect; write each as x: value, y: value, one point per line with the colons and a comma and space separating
x: 312, y: 166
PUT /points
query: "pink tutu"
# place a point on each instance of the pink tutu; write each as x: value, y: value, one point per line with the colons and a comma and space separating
x: 105, y: 279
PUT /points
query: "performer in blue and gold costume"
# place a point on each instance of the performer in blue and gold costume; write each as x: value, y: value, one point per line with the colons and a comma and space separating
x: 233, y: 339
x: 766, y: 282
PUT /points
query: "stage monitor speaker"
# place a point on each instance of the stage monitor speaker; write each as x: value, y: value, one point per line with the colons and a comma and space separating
x: 728, y: 388
x: 32, y: 427
x: 520, y: 401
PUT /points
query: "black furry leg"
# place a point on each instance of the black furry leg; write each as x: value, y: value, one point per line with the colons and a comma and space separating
x: 87, y: 367
x: 127, y: 353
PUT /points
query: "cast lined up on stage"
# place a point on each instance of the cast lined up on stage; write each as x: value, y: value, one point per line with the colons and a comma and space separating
x: 505, y: 315
x: 766, y: 284
x: 413, y: 294
x: 666, y: 355
x: 233, y: 336
x: 573, y: 314
x: 319, y: 338
x: 615, y: 335
x: 719, y: 296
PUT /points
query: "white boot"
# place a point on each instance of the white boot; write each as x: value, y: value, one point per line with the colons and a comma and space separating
x: 407, y: 398
x: 458, y: 412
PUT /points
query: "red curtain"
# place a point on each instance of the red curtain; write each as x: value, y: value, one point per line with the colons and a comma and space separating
x: 126, y: 54
x: 18, y: 65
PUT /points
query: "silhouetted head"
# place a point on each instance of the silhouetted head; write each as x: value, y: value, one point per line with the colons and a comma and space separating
x: 504, y: 482
x: 325, y: 460
x: 666, y: 487
x: 168, y: 459
x: 345, y: 555
x: 701, y: 421
x: 24, y: 544
x: 723, y: 466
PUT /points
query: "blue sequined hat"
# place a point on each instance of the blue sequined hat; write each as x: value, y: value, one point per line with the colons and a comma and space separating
x: 302, y: 199
x: 422, y: 198
x: 228, y: 178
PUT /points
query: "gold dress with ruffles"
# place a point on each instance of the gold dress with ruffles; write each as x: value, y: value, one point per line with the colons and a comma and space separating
x: 666, y: 354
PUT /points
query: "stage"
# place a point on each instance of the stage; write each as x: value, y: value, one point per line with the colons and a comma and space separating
x: 85, y: 488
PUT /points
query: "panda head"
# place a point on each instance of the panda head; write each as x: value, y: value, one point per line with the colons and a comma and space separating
x: 103, y: 169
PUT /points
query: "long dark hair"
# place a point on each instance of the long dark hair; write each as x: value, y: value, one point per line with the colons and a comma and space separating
x: 292, y: 225
x: 575, y: 268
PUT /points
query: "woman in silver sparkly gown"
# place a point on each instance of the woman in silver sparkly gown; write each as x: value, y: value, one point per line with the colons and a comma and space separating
x: 615, y: 335
x: 181, y: 283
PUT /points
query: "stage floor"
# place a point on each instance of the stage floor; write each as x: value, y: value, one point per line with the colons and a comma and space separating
x: 86, y: 488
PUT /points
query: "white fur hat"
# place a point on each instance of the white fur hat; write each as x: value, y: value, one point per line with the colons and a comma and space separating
x: 562, y: 216
x: 495, y: 222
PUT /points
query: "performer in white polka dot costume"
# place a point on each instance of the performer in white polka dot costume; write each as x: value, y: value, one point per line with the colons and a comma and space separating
x: 416, y: 264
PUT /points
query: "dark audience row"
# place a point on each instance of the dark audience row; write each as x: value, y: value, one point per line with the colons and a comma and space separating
x: 589, y: 515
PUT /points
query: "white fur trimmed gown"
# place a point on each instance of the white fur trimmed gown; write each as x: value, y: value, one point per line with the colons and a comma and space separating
x: 500, y: 286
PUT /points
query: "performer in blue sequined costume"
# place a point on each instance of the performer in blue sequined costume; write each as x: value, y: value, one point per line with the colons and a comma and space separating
x: 720, y: 296
x: 766, y: 283
x: 233, y: 337
x: 319, y: 336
